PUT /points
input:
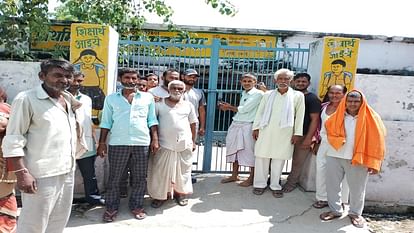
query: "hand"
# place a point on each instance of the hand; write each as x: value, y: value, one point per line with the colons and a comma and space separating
x: 201, y: 131
x: 102, y: 150
x: 255, y: 134
x: 306, y: 143
x: 157, y: 98
x: 26, y: 183
x: 372, y: 171
x: 295, y: 139
x: 194, y: 146
x: 154, y: 146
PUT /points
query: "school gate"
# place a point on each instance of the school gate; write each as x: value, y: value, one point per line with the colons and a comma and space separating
x: 220, y: 67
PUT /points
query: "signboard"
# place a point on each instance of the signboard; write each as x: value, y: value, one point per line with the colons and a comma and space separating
x: 90, y: 46
x: 339, y: 63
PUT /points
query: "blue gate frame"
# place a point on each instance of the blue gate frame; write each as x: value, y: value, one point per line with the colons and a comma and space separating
x: 220, y: 68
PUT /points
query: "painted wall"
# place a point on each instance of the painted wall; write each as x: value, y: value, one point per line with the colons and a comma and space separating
x: 393, y: 98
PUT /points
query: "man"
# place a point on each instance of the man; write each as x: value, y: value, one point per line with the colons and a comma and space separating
x: 356, y: 149
x: 239, y: 140
x: 130, y: 118
x: 162, y: 90
x: 170, y: 167
x: 40, y: 145
x: 310, y: 125
x: 277, y: 128
x: 196, y: 97
x: 142, y: 84
x: 86, y: 160
x: 337, y: 75
x: 8, y: 204
x: 152, y: 80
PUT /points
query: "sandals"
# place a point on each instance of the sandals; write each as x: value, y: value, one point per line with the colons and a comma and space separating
x: 139, y: 213
x: 157, y: 203
x: 258, y: 191
x: 320, y: 204
x: 109, y: 216
x: 277, y: 193
x: 287, y: 188
x: 327, y: 216
x: 357, y: 221
x: 181, y: 200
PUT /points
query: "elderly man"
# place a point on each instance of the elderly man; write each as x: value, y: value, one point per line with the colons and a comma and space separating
x: 40, y: 143
x: 277, y: 128
x: 170, y: 167
x: 239, y: 140
x: 356, y: 149
x: 129, y: 116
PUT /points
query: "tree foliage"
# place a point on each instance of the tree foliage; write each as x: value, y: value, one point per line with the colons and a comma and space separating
x: 23, y: 20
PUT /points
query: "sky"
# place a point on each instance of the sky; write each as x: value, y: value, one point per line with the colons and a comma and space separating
x: 367, y: 17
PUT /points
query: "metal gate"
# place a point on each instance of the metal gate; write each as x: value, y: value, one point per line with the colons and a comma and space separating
x: 220, y: 68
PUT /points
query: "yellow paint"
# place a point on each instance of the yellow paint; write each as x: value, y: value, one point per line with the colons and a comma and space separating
x: 89, y: 54
x: 339, y: 63
x: 59, y: 37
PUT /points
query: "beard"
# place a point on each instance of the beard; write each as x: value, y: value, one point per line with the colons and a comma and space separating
x: 176, y: 96
x: 188, y: 82
x: 59, y: 87
x: 129, y: 86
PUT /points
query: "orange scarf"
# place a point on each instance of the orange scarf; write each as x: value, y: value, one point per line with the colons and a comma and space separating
x: 369, y: 147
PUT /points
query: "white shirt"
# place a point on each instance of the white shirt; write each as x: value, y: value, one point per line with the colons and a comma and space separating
x: 159, y: 91
x: 43, y: 132
x: 84, y: 116
x: 347, y: 150
x: 174, y: 130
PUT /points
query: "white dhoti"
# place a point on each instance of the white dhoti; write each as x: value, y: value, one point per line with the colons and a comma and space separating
x: 169, y: 171
x: 240, y: 144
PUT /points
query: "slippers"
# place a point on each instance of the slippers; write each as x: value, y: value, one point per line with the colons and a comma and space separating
x: 287, y: 188
x: 157, y: 203
x: 320, y: 204
x: 181, y: 200
x: 246, y: 183
x: 258, y: 191
x: 327, y: 216
x: 139, y: 213
x: 277, y: 193
x: 229, y: 179
x: 109, y: 216
x: 357, y: 221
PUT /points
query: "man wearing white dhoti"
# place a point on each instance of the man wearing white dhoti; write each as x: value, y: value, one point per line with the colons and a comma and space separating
x: 278, y: 125
x: 239, y: 139
x: 170, y: 167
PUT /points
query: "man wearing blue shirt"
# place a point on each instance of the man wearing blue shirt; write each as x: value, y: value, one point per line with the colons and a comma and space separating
x: 129, y: 117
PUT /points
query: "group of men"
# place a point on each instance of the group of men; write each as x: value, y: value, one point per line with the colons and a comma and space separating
x: 284, y: 124
x: 153, y: 135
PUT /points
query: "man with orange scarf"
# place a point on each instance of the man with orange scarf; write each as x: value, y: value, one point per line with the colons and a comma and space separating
x: 357, y: 146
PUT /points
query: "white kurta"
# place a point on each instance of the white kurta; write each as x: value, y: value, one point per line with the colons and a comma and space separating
x: 170, y: 168
x: 274, y: 141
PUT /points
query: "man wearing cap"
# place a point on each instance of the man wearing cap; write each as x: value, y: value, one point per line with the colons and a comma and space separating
x: 161, y: 91
x: 196, y: 97
x: 239, y: 139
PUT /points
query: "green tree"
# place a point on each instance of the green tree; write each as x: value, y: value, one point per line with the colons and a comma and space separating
x: 25, y: 20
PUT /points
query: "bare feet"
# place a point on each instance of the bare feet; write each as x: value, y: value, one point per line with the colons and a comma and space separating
x: 229, y: 179
x: 246, y: 183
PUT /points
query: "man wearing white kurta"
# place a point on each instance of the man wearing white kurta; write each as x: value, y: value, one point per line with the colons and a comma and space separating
x: 277, y: 127
x: 170, y: 167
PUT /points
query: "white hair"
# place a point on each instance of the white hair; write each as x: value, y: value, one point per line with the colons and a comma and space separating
x: 288, y: 72
x: 176, y: 82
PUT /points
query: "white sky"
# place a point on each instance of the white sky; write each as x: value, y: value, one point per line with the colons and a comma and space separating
x: 369, y: 17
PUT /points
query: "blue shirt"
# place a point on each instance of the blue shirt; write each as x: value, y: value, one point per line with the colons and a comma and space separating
x: 129, y: 123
